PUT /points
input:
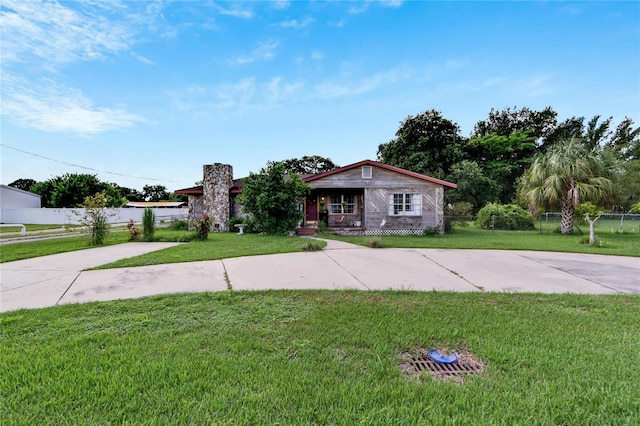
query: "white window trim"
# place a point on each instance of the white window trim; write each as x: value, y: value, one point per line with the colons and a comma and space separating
x: 338, y: 208
x: 416, y: 204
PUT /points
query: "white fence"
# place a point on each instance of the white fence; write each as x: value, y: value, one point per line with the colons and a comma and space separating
x: 68, y: 217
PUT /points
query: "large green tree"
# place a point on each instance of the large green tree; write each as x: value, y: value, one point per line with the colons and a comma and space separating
x: 71, y: 189
x: 626, y: 140
x: 474, y: 185
x: 628, y: 181
x: 426, y: 143
x: 155, y: 193
x: 503, y: 159
x: 23, y: 184
x: 272, y: 198
x: 130, y: 194
x: 309, y: 165
x: 567, y: 175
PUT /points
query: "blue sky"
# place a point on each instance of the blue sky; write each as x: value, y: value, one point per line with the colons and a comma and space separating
x: 147, y: 92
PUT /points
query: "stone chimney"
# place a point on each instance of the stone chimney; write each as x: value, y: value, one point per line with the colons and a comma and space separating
x: 216, y: 183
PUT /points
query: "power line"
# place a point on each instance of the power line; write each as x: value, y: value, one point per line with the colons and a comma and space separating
x: 85, y: 167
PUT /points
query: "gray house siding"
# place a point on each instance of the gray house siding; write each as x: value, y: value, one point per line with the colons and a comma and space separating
x: 376, y: 193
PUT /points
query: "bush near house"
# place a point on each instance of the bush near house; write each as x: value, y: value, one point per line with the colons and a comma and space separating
x: 505, y: 216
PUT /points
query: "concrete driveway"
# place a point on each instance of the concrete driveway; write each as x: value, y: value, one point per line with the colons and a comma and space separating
x: 60, y: 279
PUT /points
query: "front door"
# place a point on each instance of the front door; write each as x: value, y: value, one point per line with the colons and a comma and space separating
x: 311, y: 211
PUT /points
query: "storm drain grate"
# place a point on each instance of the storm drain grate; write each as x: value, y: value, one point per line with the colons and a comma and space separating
x: 452, y: 369
x: 415, y: 364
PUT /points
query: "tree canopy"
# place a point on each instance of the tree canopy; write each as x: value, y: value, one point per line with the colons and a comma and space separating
x: 309, y: 165
x: 71, y: 190
x: 23, y: 184
x: 503, y: 159
x: 507, y: 121
x: 426, y: 143
x: 155, y: 193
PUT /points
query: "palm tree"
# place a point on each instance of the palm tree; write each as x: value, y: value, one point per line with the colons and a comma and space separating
x: 566, y: 175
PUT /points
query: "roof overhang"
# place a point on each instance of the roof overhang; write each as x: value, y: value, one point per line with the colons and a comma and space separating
x: 382, y: 166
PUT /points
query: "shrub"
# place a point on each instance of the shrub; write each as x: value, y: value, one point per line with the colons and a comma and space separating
x: 134, y: 231
x: 431, y: 231
x: 272, y: 198
x: 505, y: 216
x: 95, y: 219
x: 635, y: 208
x: 148, y: 224
x: 179, y: 225
x: 322, y: 227
x: 202, y: 225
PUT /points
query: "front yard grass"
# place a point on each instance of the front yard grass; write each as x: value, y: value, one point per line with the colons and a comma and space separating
x: 26, y: 250
x: 221, y: 245
x: 227, y: 244
x: 320, y: 357
x: 473, y: 237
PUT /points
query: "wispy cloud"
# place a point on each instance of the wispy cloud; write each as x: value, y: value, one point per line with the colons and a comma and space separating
x: 328, y: 90
x: 236, y: 98
x: 295, y: 24
x: 50, y: 106
x: 143, y: 59
x: 356, y: 8
x: 204, y: 101
x: 281, y: 4
x: 265, y: 51
x: 51, y: 35
x: 57, y: 34
x: 520, y: 86
x: 392, y: 3
x: 279, y: 91
x: 236, y: 12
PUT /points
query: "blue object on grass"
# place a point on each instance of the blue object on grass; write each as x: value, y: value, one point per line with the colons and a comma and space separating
x: 442, y: 359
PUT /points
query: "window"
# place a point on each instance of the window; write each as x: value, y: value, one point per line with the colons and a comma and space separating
x: 367, y: 172
x: 405, y: 205
x: 342, y: 204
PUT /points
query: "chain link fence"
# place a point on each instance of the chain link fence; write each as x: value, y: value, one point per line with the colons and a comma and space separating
x: 549, y: 222
x: 620, y: 223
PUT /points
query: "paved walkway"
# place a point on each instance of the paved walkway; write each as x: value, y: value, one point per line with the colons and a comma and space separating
x: 60, y: 279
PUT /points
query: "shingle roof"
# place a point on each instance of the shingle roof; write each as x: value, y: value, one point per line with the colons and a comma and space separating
x: 382, y: 166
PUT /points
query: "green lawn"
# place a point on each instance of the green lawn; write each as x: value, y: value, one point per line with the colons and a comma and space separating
x: 314, y: 357
x: 222, y: 245
x: 32, y: 227
x: 26, y: 250
x: 473, y: 237
x: 225, y: 245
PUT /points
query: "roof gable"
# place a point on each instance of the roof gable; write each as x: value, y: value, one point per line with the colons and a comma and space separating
x: 382, y: 166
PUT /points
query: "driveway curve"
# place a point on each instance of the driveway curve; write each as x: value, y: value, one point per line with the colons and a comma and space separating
x: 60, y: 279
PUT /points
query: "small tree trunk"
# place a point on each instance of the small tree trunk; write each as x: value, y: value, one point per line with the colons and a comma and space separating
x: 592, y: 232
x: 568, y: 209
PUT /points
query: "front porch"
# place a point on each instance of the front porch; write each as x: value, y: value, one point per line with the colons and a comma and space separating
x: 336, y: 209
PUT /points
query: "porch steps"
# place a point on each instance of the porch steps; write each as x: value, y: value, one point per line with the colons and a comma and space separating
x: 307, y: 231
